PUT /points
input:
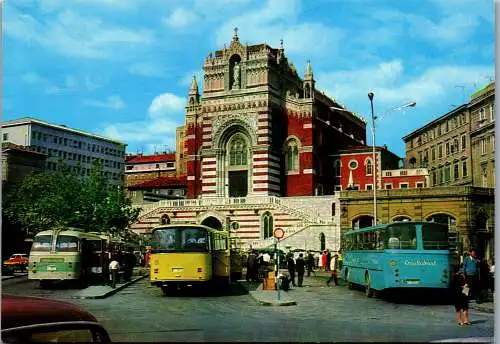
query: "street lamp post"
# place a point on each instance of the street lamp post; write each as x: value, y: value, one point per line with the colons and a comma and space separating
x: 374, y: 170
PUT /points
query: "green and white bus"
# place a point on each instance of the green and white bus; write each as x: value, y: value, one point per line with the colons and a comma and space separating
x: 67, y: 254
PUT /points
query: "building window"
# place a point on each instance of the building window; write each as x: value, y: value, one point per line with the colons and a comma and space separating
x: 65, y: 141
x: 447, y: 148
x: 369, y: 186
x: 403, y: 172
x: 464, y: 142
x: 238, y: 152
x: 267, y: 225
x: 337, y: 167
x: 170, y: 164
x: 484, y: 177
x: 157, y: 165
x: 492, y: 111
x: 482, y: 115
x: 388, y: 174
x: 483, y: 146
x: 292, y: 156
x: 369, y: 167
x: 433, y: 153
x: 455, y: 145
x: 434, y: 177
x: 5, y: 136
x: 447, y: 175
x: 353, y: 164
x: 440, y: 150
x: 455, y: 170
x: 420, y: 184
x: 403, y: 185
x: 464, y: 168
x: 388, y: 186
x: 493, y: 143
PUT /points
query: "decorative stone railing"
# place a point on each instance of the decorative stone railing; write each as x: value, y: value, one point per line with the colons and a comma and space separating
x: 291, y: 207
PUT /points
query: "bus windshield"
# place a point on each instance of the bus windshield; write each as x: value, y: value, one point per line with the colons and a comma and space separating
x: 42, y: 243
x: 181, y: 239
x: 67, y: 243
x: 401, y: 236
x: 435, y: 236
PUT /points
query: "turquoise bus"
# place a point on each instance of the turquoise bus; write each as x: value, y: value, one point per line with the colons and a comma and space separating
x: 66, y: 254
x: 397, y: 255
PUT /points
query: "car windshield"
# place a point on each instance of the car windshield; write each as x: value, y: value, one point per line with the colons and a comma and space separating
x: 179, y: 239
x: 435, y: 236
x: 42, y: 243
x: 67, y: 243
x: 401, y: 235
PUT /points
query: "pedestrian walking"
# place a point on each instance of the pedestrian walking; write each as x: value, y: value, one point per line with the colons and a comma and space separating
x: 300, y: 265
x: 328, y: 260
x: 491, y: 263
x: 251, y: 267
x: 460, y: 293
x: 114, y: 267
x: 333, y: 268
x: 291, y: 268
x: 322, y: 262
x: 130, y: 262
x: 471, y: 271
x: 310, y: 263
x: 106, y: 259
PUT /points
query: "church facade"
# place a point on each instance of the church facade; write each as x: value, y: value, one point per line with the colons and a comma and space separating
x: 260, y: 129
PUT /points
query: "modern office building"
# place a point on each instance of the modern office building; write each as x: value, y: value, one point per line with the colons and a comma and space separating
x: 72, y: 147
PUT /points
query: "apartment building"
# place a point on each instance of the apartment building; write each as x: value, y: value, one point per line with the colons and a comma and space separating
x: 458, y: 147
x: 72, y: 147
x: 482, y: 136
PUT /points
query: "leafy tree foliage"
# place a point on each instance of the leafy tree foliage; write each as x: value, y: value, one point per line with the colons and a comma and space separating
x: 49, y: 200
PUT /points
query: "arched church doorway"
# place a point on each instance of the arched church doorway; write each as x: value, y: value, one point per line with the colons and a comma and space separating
x: 238, y: 166
x: 322, y: 241
x: 212, y: 222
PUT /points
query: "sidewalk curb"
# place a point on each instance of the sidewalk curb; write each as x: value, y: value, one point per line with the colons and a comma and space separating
x: 112, y: 291
x: 480, y: 308
x: 275, y: 302
x: 6, y: 278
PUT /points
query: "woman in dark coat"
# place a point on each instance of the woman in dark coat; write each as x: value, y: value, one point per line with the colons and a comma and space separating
x: 460, y: 299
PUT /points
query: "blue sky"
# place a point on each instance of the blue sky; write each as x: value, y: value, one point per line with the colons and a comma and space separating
x: 122, y: 68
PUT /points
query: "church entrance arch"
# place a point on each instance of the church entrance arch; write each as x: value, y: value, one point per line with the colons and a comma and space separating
x: 212, y: 222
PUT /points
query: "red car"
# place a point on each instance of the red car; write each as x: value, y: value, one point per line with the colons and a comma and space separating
x: 39, y: 320
x: 18, y: 261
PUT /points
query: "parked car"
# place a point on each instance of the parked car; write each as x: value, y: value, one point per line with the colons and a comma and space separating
x: 18, y: 261
x: 38, y: 320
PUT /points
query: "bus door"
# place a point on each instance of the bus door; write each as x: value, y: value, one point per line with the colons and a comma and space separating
x: 95, y: 249
x: 85, y: 259
x: 220, y: 256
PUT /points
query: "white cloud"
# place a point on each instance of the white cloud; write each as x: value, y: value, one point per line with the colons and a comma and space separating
x: 390, y: 85
x: 112, y: 102
x: 165, y: 114
x: 277, y: 19
x: 71, y: 83
x: 147, y: 69
x: 166, y: 104
x: 180, y: 18
x: 73, y: 35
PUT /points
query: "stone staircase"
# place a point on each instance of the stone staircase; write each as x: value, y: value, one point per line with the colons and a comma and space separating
x: 301, y: 216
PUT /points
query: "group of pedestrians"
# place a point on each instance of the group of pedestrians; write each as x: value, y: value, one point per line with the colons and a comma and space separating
x: 116, y: 261
x: 297, y: 266
x: 473, y: 280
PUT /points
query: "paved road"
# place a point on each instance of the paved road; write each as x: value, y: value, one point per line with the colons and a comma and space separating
x: 141, y: 313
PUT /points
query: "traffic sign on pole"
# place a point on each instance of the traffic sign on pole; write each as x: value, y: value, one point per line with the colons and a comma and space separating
x: 279, y: 233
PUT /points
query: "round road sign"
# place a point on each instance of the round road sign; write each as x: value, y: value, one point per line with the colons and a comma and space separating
x: 279, y: 233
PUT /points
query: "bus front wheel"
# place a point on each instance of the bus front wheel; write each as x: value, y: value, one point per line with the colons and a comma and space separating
x: 368, y: 286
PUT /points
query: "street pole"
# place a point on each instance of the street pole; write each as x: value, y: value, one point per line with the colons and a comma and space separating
x: 277, y: 271
x: 374, y: 172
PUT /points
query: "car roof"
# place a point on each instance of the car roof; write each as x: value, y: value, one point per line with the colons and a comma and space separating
x: 26, y: 310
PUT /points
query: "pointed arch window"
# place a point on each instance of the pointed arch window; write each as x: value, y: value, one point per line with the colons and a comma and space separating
x: 369, y: 167
x: 292, y: 156
x: 267, y: 225
x: 238, y: 152
x: 337, y: 167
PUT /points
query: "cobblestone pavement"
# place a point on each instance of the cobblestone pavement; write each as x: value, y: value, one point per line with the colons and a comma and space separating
x: 141, y: 313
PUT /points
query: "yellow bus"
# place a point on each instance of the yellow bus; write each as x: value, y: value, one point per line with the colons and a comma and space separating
x: 188, y: 255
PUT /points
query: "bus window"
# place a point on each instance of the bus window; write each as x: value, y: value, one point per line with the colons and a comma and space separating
x: 401, y: 236
x: 435, y: 236
x: 42, y: 243
x: 67, y: 243
x: 182, y: 239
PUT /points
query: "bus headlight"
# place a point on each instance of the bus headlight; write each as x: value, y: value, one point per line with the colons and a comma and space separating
x: 155, y: 270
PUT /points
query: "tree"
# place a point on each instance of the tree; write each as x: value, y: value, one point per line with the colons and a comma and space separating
x: 49, y: 200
